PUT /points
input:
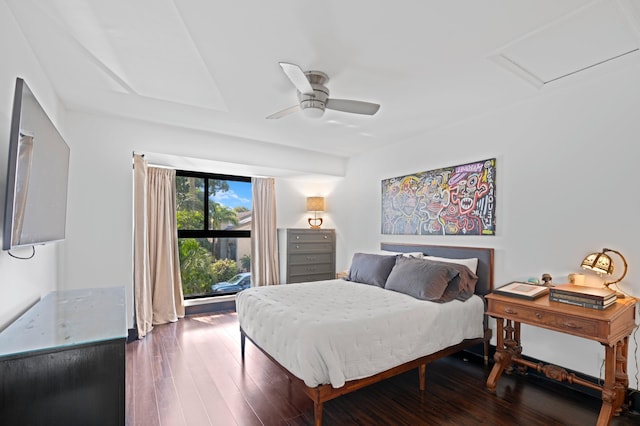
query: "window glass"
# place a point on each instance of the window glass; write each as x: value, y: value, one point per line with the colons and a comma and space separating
x: 229, y: 205
x: 214, y: 233
x: 189, y: 202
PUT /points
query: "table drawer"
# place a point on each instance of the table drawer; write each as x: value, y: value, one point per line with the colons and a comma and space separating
x: 552, y: 320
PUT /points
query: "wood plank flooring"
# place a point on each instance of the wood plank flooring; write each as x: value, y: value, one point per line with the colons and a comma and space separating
x: 190, y: 373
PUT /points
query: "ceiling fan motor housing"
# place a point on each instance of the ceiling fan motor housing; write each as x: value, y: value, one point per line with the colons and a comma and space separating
x: 314, y: 105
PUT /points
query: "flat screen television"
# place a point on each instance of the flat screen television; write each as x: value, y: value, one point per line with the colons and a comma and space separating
x: 37, y: 176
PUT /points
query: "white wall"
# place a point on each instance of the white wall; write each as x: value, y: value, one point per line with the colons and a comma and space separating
x: 22, y: 282
x: 98, y: 250
x: 566, y: 172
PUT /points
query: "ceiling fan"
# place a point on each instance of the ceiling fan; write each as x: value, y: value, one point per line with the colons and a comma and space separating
x: 314, y: 95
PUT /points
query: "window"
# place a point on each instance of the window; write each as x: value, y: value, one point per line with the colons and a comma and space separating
x: 214, y: 232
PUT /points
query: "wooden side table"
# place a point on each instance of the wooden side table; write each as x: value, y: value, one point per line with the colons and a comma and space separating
x: 611, y: 327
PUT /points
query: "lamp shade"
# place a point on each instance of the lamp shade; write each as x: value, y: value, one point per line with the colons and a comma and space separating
x: 315, y: 204
x: 598, y: 262
x: 602, y: 264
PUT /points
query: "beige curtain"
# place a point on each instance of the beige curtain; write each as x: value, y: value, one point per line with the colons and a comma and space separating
x: 264, y: 235
x: 142, y: 292
x: 157, y: 282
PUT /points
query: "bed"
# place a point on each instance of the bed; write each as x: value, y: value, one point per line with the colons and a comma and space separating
x: 334, y: 337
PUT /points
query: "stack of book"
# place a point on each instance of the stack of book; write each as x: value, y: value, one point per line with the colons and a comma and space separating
x: 587, y: 297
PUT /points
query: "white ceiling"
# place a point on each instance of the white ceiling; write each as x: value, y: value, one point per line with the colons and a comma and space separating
x: 213, y: 65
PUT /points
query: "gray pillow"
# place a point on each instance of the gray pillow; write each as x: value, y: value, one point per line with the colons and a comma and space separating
x: 462, y: 286
x: 371, y: 269
x: 422, y: 279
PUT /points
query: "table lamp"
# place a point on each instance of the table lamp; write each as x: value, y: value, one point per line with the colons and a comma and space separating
x: 315, y: 205
x: 603, y: 264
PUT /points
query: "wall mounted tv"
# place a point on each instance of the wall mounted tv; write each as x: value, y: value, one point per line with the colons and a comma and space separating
x: 37, y: 176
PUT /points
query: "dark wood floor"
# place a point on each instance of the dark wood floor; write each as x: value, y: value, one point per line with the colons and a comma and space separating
x: 190, y: 373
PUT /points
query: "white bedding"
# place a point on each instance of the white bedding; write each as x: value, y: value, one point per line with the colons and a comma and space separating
x: 334, y: 331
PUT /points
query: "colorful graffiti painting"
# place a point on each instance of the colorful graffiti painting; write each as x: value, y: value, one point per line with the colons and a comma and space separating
x: 458, y: 200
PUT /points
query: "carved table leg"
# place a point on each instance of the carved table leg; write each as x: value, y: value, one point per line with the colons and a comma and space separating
x: 622, y: 379
x: 507, y: 348
x: 616, y: 381
x: 609, y: 393
x: 513, y: 345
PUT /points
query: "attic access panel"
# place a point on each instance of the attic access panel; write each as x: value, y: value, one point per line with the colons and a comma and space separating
x: 590, y: 36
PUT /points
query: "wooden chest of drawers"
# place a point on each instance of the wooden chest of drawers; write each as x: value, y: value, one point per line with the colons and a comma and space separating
x: 310, y: 255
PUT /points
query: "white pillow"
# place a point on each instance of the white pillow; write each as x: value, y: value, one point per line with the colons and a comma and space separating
x: 415, y: 255
x: 471, y: 263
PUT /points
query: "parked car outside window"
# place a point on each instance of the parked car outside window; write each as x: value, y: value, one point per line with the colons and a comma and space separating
x: 234, y: 285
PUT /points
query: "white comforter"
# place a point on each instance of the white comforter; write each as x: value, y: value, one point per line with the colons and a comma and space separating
x: 334, y: 331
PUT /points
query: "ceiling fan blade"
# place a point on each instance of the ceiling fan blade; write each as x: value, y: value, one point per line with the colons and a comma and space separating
x: 284, y: 112
x: 297, y: 77
x: 356, y: 107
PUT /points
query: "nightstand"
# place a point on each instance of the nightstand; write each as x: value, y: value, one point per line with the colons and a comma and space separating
x: 611, y: 327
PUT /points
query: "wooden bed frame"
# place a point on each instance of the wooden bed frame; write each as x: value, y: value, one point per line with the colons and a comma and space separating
x: 322, y: 393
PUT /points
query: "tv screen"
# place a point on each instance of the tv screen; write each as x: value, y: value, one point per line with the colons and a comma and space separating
x: 37, y: 175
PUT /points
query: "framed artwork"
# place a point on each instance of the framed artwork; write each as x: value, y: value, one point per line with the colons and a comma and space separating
x: 522, y: 290
x: 457, y: 200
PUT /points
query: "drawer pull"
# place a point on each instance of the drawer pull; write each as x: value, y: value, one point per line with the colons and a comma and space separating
x: 325, y: 237
x: 510, y: 311
x: 538, y: 315
x: 297, y: 246
x: 297, y: 237
x: 572, y: 325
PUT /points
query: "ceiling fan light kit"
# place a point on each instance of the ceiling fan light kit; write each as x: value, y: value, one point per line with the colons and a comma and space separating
x: 313, y: 95
x: 312, y: 109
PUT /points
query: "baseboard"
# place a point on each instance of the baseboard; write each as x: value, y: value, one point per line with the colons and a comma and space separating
x: 208, y: 306
x: 132, y: 335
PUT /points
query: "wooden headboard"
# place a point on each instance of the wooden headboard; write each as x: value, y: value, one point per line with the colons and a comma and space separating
x: 484, y: 256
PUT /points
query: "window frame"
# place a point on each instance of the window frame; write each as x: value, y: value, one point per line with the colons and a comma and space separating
x: 210, y: 233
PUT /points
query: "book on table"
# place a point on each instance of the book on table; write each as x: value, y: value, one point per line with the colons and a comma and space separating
x: 583, y: 302
x: 597, y: 294
x: 578, y: 298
